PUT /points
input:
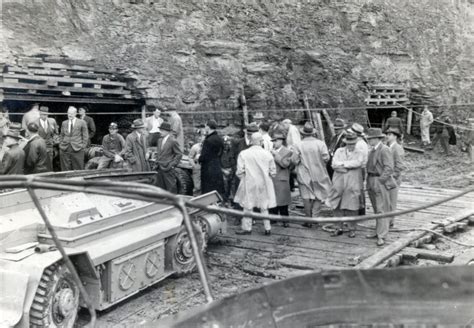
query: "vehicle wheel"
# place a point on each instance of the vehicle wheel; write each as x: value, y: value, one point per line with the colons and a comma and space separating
x: 179, y: 253
x: 185, y: 182
x: 56, y: 301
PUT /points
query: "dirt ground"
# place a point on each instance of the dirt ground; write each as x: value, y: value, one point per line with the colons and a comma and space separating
x: 172, y: 295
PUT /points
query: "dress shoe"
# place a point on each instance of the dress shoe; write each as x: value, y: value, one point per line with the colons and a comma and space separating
x: 371, y: 236
x: 337, y: 232
x: 380, y: 242
x: 268, y: 232
x: 243, y: 232
x: 352, y: 234
x: 286, y: 224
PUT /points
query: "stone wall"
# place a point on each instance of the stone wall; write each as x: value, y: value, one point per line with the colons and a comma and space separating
x: 200, y: 55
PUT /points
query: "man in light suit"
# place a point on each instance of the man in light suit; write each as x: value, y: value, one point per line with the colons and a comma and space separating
x: 281, y: 181
x: 74, y: 138
x: 168, y: 155
x: 379, y: 181
x: 48, y: 130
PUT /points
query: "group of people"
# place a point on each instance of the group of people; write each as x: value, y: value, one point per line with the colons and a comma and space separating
x: 333, y: 174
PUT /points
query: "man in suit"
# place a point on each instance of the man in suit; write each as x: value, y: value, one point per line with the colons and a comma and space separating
x: 136, y: 153
x: 74, y: 138
x: 210, y: 159
x: 48, y: 130
x: 393, y: 137
x: 168, y: 155
x: 394, y: 122
x: 14, y: 159
x: 36, y: 153
x: 335, y: 142
x: 379, y: 181
x: 281, y: 181
x: 90, y: 123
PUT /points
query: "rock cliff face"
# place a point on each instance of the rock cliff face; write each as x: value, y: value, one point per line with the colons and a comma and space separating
x: 200, y: 55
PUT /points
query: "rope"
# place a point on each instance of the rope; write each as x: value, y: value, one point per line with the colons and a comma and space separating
x: 154, y: 194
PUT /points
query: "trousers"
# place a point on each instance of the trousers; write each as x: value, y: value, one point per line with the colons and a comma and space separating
x: 380, y: 199
x: 444, y: 140
x: 71, y: 160
x: 393, y: 202
x: 247, y: 222
x: 425, y: 134
x: 167, y: 180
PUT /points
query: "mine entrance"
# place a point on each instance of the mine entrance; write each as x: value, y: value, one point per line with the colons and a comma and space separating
x: 382, y: 100
x: 58, y: 84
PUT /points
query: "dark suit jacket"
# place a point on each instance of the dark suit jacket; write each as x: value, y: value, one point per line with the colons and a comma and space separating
x: 78, y: 138
x: 13, y: 161
x: 49, y: 133
x: 394, y: 122
x: 36, y: 155
x: 168, y: 154
x: 380, y: 162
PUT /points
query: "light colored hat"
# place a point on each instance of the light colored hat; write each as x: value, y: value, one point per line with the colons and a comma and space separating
x: 138, y: 124
x: 308, y: 129
x: 375, y: 133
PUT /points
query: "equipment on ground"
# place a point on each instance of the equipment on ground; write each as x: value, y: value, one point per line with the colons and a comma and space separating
x: 118, y: 247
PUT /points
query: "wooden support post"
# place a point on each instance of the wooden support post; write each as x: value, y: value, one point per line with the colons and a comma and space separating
x: 409, y: 120
x: 245, y: 112
x: 330, y: 125
x: 143, y: 113
x: 315, y: 119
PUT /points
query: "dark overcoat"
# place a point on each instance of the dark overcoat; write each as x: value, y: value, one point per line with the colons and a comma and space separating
x: 281, y: 181
x: 210, y: 159
x: 135, y: 152
x: 36, y: 156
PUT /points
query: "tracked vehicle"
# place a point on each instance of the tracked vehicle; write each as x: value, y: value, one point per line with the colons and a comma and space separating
x: 118, y: 246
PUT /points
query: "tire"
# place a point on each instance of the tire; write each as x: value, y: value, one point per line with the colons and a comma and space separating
x: 185, y: 182
x: 178, y: 253
x: 56, y: 301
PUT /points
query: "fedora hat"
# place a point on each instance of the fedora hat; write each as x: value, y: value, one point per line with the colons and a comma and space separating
x: 357, y: 128
x: 277, y: 136
x: 165, y: 126
x: 339, y: 123
x: 137, y: 124
x: 258, y: 116
x: 375, y: 133
x: 252, y: 127
x: 308, y: 129
x: 394, y: 131
x: 44, y: 110
x: 350, y: 138
x: 15, y: 134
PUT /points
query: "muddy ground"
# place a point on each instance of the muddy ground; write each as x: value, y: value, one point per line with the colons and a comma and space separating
x: 179, y: 294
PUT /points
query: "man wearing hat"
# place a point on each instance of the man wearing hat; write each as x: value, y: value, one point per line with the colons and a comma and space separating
x: 168, y: 155
x: 398, y: 153
x: 255, y: 168
x: 49, y: 131
x: 36, y: 153
x: 347, y: 185
x: 14, y: 158
x: 310, y: 156
x: 113, y: 146
x: 335, y: 142
x: 210, y: 159
x: 379, y: 181
x: 394, y: 123
x: 281, y: 181
x: 74, y: 139
x: 363, y: 148
x: 136, y: 153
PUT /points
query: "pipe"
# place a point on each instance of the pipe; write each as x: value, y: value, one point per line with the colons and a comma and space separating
x: 66, y: 258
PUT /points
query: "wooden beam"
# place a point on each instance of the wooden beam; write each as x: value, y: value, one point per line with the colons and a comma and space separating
x: 64, y: 99
x: 42, y: 87
x: 8, y: 76
x: 397, y: 246
x: 409, y: 119
x: 413, y: 149
x: 245, y: 112
x: 329, y: 121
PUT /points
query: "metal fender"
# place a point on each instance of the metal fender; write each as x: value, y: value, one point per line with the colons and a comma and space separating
x: 13, y: 286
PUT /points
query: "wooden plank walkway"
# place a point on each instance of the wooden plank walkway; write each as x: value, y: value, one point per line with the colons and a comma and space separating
x: 289, y: 250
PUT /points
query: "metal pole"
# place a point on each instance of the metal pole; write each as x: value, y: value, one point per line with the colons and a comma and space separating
x: 66, y: 258
x: 198, y: 257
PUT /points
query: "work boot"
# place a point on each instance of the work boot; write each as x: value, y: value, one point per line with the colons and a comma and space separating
x: 380, y: 242
x: 371, y: 236
x: 243, y: 232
